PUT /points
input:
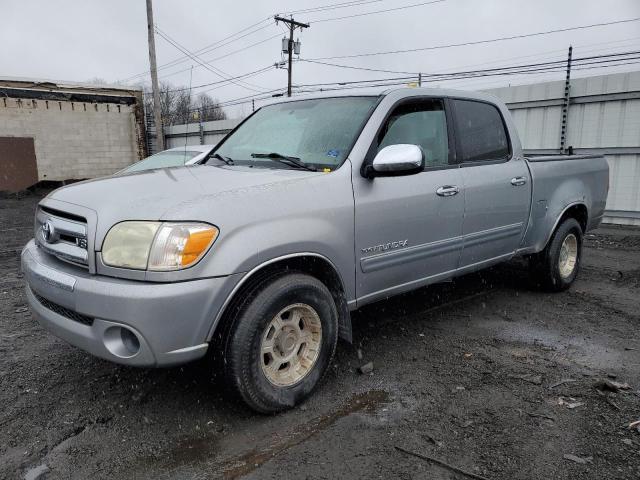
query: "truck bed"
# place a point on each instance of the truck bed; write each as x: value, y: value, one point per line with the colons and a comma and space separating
x: 558, y: 157
x: 558, y: 183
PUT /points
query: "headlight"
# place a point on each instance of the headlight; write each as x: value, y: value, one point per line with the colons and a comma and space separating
x: 157, y: 245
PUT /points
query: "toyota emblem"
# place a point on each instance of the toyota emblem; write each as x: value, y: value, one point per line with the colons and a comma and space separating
x: 47, y: 231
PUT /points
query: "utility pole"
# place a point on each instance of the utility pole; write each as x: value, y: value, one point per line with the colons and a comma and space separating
x: 292, y: 26
x: 157, y: 109
x: 565, y: 105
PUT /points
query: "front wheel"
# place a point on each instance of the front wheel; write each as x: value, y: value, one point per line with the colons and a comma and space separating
x: 557, y: 266
x: 281, y: 342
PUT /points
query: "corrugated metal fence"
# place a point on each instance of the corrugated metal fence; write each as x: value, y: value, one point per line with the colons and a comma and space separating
x: 205, y: 133
x: 604, y: 118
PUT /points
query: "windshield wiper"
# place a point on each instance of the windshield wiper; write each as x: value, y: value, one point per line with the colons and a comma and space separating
x: 291, y: 161
x: 222, y: 158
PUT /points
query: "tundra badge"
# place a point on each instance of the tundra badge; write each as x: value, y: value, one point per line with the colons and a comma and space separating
x: 386, y: 246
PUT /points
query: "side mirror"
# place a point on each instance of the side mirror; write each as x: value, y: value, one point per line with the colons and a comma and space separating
x: 396, y: 160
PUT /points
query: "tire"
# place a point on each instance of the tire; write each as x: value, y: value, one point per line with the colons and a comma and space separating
x: 290, y: 317
x: 552, y: 268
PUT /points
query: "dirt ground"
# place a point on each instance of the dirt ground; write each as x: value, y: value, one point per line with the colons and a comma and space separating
x: 485, y: 374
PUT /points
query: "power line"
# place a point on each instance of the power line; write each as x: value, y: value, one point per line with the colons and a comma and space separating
x: 267, y: 95
x: 215, y: 46
x: 238, y: 77
x: 332, y: 6
x: 389, y: 82
x: 584, y: 63
x: 223, y: 56
x: 611, y: 60
x: 538, y: 74
x: 560, y: 61
x: 218, y: 44
x: 208, y: 48
x: 541, y: 54
x: 333, y: 86
x: 558, y: 69
x: 377, y: 11
x: 354, y: 82
x: 211, y: 68
x: 249, y: 98
x: 351, y: 67
x: 479, y: 42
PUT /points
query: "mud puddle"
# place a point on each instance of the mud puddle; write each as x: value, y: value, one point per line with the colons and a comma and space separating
x: 367, y: 402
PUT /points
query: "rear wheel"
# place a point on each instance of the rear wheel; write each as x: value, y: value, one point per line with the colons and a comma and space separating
x: 557, y: 266
x: 281, y: 342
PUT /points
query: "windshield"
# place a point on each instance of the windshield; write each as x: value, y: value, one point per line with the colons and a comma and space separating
x: 168, y: 158
x: 318, y: 132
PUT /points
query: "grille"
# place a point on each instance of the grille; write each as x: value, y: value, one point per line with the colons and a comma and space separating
x: 65, y: 312
x: 63, y: 235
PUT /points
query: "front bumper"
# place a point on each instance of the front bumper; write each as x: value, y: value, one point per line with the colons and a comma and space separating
x: 163, y: 323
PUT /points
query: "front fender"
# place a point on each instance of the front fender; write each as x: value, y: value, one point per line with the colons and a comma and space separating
x: 256, y: 244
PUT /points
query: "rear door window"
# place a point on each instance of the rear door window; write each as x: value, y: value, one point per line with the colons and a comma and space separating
x: 481, y: 133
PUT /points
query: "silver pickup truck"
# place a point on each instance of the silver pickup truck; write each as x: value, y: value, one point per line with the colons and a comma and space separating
x: 309, y: 209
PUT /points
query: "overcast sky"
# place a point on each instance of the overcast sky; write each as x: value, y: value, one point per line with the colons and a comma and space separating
x: 85, y: 39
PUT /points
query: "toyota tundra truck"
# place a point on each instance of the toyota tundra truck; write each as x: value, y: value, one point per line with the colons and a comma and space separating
x: 311, y: 208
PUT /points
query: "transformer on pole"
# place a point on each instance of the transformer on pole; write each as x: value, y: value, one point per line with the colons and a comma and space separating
x: 289, y: 46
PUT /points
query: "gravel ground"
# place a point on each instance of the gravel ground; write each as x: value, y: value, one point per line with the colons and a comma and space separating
x: 484, y: 374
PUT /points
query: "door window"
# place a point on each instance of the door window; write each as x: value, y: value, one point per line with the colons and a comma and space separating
x: 420, y: 123
x: 481, y: 132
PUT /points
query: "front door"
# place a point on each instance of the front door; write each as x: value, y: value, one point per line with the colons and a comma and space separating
x: 408, y: 229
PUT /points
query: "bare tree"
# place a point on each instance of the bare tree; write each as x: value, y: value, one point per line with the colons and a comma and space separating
x: 209, y: 108
x: 98, y: 81
x: 183, y: 107
x: 179, y: 106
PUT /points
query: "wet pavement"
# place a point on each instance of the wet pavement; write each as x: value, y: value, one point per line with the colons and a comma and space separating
x: 485, y: 374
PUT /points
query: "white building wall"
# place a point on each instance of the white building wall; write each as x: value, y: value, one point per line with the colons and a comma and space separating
x: 73, y: 140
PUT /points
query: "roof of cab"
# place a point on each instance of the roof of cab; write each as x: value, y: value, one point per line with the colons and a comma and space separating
x: 397, y: 93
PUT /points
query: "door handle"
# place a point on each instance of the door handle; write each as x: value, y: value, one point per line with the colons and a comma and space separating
x: 447, y: 190
x: 518, y: 181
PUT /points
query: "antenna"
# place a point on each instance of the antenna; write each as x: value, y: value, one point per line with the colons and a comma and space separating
x: 186, y: 130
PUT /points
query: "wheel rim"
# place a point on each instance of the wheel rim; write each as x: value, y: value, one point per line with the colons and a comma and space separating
x: 568, y: 256
x: 291, y: 344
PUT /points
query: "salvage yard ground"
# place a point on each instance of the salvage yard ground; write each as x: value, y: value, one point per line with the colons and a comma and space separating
x: 485, y: 374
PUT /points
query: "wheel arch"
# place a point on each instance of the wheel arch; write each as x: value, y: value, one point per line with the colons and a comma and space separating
x: 576, y: 210
x: 313, y: 264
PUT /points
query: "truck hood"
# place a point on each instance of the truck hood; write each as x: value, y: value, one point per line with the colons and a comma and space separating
x: 148, y: 195
x: 180, y: 193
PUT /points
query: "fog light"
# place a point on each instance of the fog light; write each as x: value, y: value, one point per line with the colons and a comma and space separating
x: 121, y: 342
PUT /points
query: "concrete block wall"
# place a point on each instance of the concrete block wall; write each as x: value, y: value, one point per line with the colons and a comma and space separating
x: 73, y: 140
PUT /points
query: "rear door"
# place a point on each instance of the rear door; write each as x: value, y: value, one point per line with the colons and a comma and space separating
x: 496, y: 184
x: 407, y: 230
